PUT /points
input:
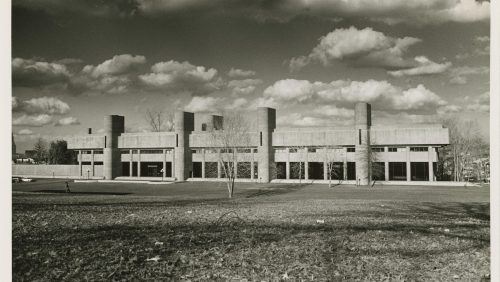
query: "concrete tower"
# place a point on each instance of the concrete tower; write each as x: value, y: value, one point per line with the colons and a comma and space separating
x: 266, y: 124
x: 183, y: 125
x: 363, y: 121
x: 113, y: 126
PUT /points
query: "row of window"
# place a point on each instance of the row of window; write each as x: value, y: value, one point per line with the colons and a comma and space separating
x: 89, y: 152
x: 352, y: 150
x: 249, y: 150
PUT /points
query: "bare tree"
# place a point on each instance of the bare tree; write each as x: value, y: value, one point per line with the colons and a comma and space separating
x: 376, y: 166
x: 159, y: 121
x: 329, y: 153
x: 232, y: 141
x: 458, y: 157
x: 298, y: 168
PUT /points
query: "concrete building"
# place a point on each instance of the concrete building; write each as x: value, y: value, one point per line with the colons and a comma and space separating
x: 356, y: 155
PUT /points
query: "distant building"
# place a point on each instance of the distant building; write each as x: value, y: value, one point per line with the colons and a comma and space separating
x: 403, y: 153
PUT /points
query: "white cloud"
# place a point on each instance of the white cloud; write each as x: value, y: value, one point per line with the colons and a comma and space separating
x: 42, y: 105
x: 482, y: 38
x: 240, y: 73
x: 333, y: 111
x: 203, y: 104
x: 391, y: 12
x: 364, y: 47
x: 449, y: 109
x: 244, y: 86
x: 25, y: 132
x: 417, y: 98
x: 290, y: 89
x: 67, y: 121
x: 33, y: 121
x: 381, y: 93
x: 37, y: 73
x: 176, y: 76
x: 119, y: 64
x: 480, y: 103
x: 424, y: 67
x: 459, y: 75
x: 237, y: 104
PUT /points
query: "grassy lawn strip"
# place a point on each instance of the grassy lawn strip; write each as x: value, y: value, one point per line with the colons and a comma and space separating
x: 95, y: 237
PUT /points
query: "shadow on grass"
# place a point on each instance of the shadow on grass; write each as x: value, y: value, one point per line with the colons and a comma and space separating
x: 272, y: 190
x: 79, y: 192
x: 386, y: 234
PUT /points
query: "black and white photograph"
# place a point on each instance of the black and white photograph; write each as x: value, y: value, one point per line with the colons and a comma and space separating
x: 236, y: 140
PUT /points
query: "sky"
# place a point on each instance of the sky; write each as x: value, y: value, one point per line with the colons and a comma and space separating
x: 75, y: 61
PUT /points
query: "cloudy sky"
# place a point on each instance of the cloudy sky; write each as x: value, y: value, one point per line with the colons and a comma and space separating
x: 75, y: 61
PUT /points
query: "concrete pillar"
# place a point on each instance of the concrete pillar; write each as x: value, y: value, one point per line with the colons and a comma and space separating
x: 80, y: 162
x: 203, y: 164
x: 306, y: 163
x: 131, y: 163
x: 287, y: 166
x: 408, y: 165
x: 345, y: 163
x: 184, y: 125
x: 138, y: 163
x: 325, y: 164
x: 431, y: 158
x: 172, y: 173
x: 251, y: 169
x: 164, y: 173
x: 114, y: 126
x: 363, y: 152
x: 266, y: 118
x: 386, y: 168
x: 219, y: 170
x: 92, y: 162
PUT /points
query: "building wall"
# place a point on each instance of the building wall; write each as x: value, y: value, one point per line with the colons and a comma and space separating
x: 45, y: 170
x: 192, y: 141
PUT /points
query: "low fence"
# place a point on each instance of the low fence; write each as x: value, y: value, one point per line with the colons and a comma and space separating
x: 55, y: 171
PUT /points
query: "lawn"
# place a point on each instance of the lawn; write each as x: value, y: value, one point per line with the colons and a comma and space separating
x: 190, y: 231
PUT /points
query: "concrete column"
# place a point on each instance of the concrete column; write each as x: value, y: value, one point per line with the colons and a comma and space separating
x: 92, y: 162
x: 325, y: 165
x: 386, y: 167
x: 431, y: 158
x: 345, y: 163
x: 266, y: 118
x: 203, y: 164
x: 184, y: 125
x: 287, y: 166
x: 251, y: 169
x: 138, y: 163
x: 363, y: 152
x: 172, y: 173
x: 219, y: 170
x: 408, y: 165
x: 131, y: 163
x: 164, y: 174
x: 80, y: 162
x: 114, y: 126
x: 306, y: 163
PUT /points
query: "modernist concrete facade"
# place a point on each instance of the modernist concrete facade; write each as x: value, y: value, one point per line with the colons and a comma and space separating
x: 359, y: 154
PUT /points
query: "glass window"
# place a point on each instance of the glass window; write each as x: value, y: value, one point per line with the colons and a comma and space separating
x: 151, y: 151
x: 378, y: 149
x: 293, y: 150
x: 393, y: 149
x: 351, y: 150
x: 311, y: 150
x: 418, y: 149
